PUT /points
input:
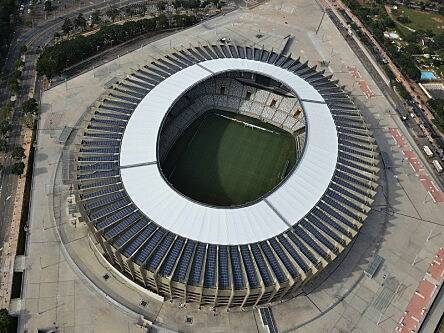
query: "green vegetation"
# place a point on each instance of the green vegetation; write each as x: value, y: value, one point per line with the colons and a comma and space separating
x: 18, y: 168
x: 18, y: 153
x: 48, y: 6
x: 437, y: 106
x: 419, y: 20
x: 8, y: 8
x: 376, y: 19
x: 223, y: 162
x: 5, y: 320
x: 30, y: 106
x: 64, y: 54
x: 5, y: 125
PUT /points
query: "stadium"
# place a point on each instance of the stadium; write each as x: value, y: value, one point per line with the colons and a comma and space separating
x: 225, y: 175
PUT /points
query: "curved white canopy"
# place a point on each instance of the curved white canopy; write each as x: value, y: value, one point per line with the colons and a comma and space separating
x: 229, y: 226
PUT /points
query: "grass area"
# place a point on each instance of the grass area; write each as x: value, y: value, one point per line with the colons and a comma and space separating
x: 223, y: 162
x: 423, y: 20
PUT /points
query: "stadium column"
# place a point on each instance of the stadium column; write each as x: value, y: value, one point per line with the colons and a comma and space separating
x: 118, y: 257
x: 144, y: 273
x: 130, y: 264
x: 216, y: 294
x: 107, y: 249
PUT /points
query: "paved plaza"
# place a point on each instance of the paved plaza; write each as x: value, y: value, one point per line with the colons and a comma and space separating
x: 69, y: 285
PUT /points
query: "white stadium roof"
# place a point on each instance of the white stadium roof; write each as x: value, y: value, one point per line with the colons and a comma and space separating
x: 289, y: 203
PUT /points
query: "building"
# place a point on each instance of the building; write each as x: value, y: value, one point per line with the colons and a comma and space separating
x: 240, y: 256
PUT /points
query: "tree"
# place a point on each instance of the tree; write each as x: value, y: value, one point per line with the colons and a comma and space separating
x: 184, y: 20
x: 439, y: 40
x: 162, y: 21
x: 23, y: 49
x: 54, y: 59
x: 112, y: 13
x: 80, y: 22
x: 18, y: 168
x: 3, y: 144
x: 30, y: 106
x: 13, y: 85
x: 7, y: 110
x: 18, y: 153
x: 67, y: 26
x: 19, y: 63
x: 161, y: 6
x: 48, y: 5
x: 441, y: 10
x: 5, y: 127
x: 28, y: 120
x: 5, y: 320
x: 95, y: 17
x: 403, y: 19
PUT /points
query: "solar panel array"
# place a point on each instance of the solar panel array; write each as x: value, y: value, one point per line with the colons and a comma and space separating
x: 166, y: 258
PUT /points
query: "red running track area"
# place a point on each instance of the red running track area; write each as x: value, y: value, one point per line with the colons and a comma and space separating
x: 417, y: 167
x: 423, y: 297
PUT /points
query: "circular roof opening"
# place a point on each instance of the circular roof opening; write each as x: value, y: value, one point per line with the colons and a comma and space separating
x: 232, y: 139
x: 148, y: 137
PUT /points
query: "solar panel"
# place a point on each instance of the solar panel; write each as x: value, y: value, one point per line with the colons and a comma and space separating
x: 109, y: 209
x: 151, y: 240
x: 112, y: 136
x: 124, y: 223
x: 129, y: 233
x: 171, y: 258
x: 131, y: 92
x: 104, y: 200
x: 98, y: 174
x: 236, y: 268
x: 312, y: 218
x: 108, y: 122
x: 340, y: 207
x: 337, y: 179
x: 343, y: 200
x: 95, y: 184
x: 262, y: 266
x: 224, y: 281
x: 110, y: 189
x: 196, y: 267
x: 316, y: 233
x: 112, y: 115
x: 293, y: 253
x: 287, y: 263
x: 273, y: 262
x: 347, y: 193
x: 182, y: 267
x: 106, y: 151
x: 249, y: 267
x: 111, y: 129
x: 163, y: 247
x: 307, y: 253
x: 141, y: 238
x: 335, y: 214
x: 308, y: 240
x: 210, y: 267
x: 101, y: 158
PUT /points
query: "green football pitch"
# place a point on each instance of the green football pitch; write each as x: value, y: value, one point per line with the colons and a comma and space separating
x: 222, y: 161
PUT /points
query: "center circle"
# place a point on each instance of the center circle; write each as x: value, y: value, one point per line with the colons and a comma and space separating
x: 232, y: 139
